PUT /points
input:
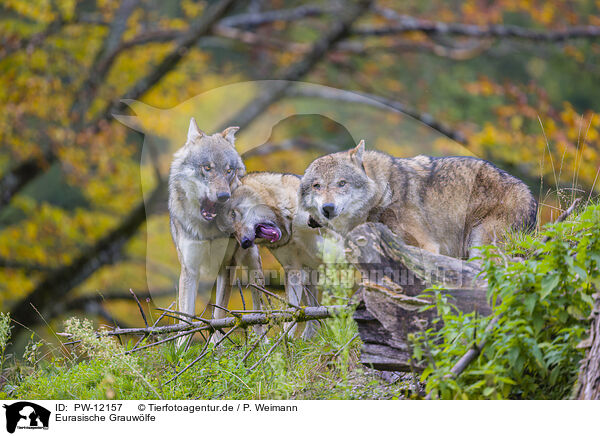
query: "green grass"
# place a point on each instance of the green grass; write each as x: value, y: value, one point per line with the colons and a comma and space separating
x: 326, y: 367
x: 318, y: 369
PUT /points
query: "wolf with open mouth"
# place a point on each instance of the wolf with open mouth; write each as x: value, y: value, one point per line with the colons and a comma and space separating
x: 203, y: 173
x: 264, y: 211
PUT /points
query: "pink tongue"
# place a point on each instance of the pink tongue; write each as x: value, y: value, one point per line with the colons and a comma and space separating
x: 209, y: 210
x: 268, y: 232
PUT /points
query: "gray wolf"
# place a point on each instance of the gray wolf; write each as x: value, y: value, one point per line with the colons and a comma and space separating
x: 203, y: 173
x: 264, y: 211
x: 445, y: 205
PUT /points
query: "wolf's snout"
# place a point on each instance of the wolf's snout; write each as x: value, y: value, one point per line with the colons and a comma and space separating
x: 328, y: 210
x: 312, y: 223
x: 222, y: 197
x: 246, y: 242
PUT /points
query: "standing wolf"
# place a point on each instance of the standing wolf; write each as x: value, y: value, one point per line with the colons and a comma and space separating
x: 264, y: 211
x: 203, y: 173
x: 444, y: 205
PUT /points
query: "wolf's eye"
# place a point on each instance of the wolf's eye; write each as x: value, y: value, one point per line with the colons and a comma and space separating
x: 207, y: 168
x: 342, y: 183
x: 317, y: 186
x: 233, y: 214
x: 229, y: 170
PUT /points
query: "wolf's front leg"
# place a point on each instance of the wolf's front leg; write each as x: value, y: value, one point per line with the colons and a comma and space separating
x: 222, y: 295
x: 188, y: 287
x: 293, y: 287
x: 312, y: 297
x: 250, y: 258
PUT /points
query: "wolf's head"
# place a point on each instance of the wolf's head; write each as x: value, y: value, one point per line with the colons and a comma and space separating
x: 207, y: 168
x: 251, y: 220
x: 336, y: 190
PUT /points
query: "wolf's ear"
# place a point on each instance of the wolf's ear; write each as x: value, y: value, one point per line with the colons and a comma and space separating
x: 194, y: 133
x: 356, y: 154
x: 235, y: 183
x: 229, y: 134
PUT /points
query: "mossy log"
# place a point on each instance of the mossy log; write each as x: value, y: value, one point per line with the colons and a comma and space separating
x: 394, y: 275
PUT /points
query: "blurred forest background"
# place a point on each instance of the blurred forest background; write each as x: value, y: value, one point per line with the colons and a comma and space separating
x: 82, y: 222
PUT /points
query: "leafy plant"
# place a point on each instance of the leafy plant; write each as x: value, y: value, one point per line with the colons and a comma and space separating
x: 5, y: 328
x: 541, y: 305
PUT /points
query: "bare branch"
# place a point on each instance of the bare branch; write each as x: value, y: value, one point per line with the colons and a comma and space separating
x: 197, y: 359
x: 104, y: 59
x: 469, y: 50
x: 162, y: 315
x: 253, y: 347
x: 258, y: 19
x: 472, y: 353
x: 339, y: 31
x: 343, y: 347
x: 289, y: 144
x: 239, y: 286
x: 265, y: 291
x: 277, y: 342
x: 229, y: 26
x: 31, y: 43
x: 169, y: 339
x: 197, y: 30
x: 82, y: 301
x: 169, y: 310
x: 139, y: 307
x: 405, y: 24
x: 21, y: 174
x: 377, y: 101
x: 563, y: 216
x: 261, y: 318
x: 36, y: 40
x: 24, y: 265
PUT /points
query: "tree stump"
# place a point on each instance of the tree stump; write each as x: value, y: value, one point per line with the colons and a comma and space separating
x: 588, y: 384
x: 393, y: 276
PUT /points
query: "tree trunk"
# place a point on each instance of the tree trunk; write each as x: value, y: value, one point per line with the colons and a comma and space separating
x: 588, y: 385
x: 393, y: 276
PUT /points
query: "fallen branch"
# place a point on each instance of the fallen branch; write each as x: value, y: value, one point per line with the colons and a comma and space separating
x: 277, y: 342
x: 563, y: 216
x: 253, y: 347
x: 472, y: 354
x: 343, y: 347
x: 261, y: 318
x: 202, y: 354
x: 162, y: 315
x: 169, y: 310
x: 261, y: 289
x: 163, y: 341
x: 139, y: 306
